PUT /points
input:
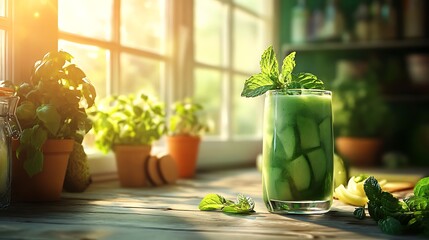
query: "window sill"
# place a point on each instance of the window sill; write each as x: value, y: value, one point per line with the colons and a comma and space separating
x: 212, y: 155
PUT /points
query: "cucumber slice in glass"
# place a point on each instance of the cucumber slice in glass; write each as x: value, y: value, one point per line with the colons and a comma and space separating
x: 283, y: 190
x: 318, y: 161
x: 299, y: 171
x: 271, y: 176
x: 308, y: 132
x: 287, y: 139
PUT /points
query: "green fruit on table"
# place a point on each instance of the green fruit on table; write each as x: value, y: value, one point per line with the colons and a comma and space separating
x: 340, y: 172
x: 78, y: 176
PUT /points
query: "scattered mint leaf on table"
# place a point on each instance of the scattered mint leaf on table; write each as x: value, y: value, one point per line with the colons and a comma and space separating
x: 212, y: 202
x: 390, y: 226
x: 394, y: 216
x: 270, y: 79
x: 422, y: 188
x: 359, y: 213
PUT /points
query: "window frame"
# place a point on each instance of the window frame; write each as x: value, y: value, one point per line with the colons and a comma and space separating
x: 179, y: 76
x: 6, y: 25
x: 227, y: 150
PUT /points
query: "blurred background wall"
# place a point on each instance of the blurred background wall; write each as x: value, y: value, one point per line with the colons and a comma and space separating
x: 374, y: 55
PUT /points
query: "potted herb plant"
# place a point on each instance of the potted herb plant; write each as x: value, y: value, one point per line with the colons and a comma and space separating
x: 52, y: 114
x: 128, y: 125
x: 185, y: 129
x: 360, y: 120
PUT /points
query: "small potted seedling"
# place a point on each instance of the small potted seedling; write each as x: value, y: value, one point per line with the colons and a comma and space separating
x: 184, y: 135
x: 128, y: 125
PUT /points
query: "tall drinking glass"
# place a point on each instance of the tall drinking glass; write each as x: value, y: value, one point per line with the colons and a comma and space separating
x: 297, y: 171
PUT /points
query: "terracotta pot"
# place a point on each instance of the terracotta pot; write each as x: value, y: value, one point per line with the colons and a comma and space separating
x: 361, y: 152
x: 184, y: 150
x: 130, y: 162
x: 48, y: 184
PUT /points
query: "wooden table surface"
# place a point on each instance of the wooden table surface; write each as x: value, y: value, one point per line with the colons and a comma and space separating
x: 107, y: 211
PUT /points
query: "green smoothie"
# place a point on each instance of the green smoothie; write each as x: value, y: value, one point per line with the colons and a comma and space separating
x: 298, y: 151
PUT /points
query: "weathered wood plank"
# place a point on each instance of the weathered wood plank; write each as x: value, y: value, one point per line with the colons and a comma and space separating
x: 106, y: 211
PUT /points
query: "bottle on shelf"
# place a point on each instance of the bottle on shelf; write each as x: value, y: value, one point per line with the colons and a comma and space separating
x: 315, y: 24
x: 376, y: 21
x: 362, y: 22
x: 333, y: 27
x: 299, y: 23
x: 414, y: 18
x: 390, y: 20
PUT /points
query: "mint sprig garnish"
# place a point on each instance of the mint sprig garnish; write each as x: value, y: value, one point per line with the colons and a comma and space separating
x: 395, y: 216
x: 213, y: 202
x: 270, y: 78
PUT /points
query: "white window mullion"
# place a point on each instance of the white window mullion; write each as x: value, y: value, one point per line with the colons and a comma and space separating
x: 113, y: 84
x: 226, y: 84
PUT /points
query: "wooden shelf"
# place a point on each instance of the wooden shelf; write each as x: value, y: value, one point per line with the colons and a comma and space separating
x: 406, y: 98
x: 347, y: 46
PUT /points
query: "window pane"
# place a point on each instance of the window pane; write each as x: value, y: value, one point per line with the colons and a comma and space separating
x: 207, y: 91
x: 246, y: 112
x: 254, y: 5
x: 89, y: 18
x: 143, y: 24
x: 140, y: 75
x: 247, y: 42
x: 2, y: 8
x: 94, y: 61
x: 3, y: 55
x: 209, y: 34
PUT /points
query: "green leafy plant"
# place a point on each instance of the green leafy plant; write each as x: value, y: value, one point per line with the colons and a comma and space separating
x: 395, y: 216
x: 213, y: 202
x: 270, y: 78
x: 358, y: 108
x: 127, y: 120
x: 186, y: 119
x: 52, y: 106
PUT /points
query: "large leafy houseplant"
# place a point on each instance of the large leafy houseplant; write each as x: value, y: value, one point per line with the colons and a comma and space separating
x: 127, y: 120
x: 186, y: 126
x: 52, y: 106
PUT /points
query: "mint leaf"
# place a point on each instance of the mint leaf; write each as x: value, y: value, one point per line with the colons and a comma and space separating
x: 416, y: 203
x: 216, y: 202
x: 390, y: 226
x: 269, y: 78
x: 257, y: 85
x: 389, y: 203
x: 242, y: 205
x: 359, y: 213
x: 212, y: 202
x: 394, y: 216
x: 306, y: 81
x: 269, y: 64
x: 372, y: 189
x: 287, y: 68
x: 422, y: 188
